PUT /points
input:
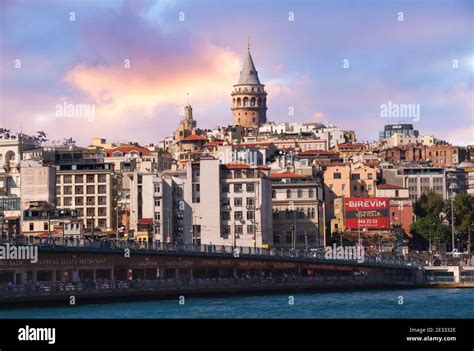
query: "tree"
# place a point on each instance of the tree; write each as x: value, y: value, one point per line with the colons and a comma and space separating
x: 69, y: 141
x: 428, y: 226
x: 5, y: 132
x: 463, y: 212
x: 41, y: 137
x: 429, y: 204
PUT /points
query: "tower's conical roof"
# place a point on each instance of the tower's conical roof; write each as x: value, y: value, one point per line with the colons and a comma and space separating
x: 249, y: 74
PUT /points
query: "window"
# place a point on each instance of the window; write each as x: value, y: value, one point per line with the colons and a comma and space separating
x: 249, y: 229
x: 239, y: 229
x: 102, y: 211
x: 300, y: 193
x: 90, y: 178
x: 67, y: 190
x: 79, y: 190
x: 288, y: 194
x: 250, y: 187
x: 45, y: 226
x: 369, y: 176
x: 273, y: 194
x: 337, y: 175
x: 311, y: 193
x: 238, y: 202
x: 67, y: 179
x: 250, y: 201
x: 238, y: 215
x: 157, y: 188
x: 238, y: 188
x: 102, y: 200
x: 355, y: 176
x: 67, y: 201
x: 102, y: 178
x: 225, y: 230
x: 32, y: 226
x: 250, y: 215
x: 102, y: 189
x: 157, y: 203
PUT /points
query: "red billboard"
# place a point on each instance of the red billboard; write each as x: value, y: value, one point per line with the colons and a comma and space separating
x: 366, y: 212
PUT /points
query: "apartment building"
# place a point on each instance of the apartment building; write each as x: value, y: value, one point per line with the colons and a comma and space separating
x: 417, y: 180
x: 297, y: 205
x: 208, y: 203
x: 87, y: 188
x: 347, y: 180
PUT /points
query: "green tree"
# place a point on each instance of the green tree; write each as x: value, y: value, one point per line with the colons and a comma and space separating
x: 463, y: 212
x: 428, y: 226
x: 429, y: 204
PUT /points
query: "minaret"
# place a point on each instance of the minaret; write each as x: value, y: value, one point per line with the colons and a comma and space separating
x: 249, y: 98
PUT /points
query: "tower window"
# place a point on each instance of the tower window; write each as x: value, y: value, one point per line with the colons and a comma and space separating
x: 253, y: 119
x: 246, y: 101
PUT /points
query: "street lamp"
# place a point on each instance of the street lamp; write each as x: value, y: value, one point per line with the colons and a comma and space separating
x: 291, y: 207
x: 451, y: 186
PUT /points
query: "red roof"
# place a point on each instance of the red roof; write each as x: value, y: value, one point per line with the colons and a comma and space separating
x: 240, y: 165
x: 388, y: 186
x: 351, y: 145
x: 236, y: 165
x: 287, y: 175
x: 145, y: 221
x: 129, y: 148
x: 214, y: 143
x: 194, y: 137
x: 318, y: 152
x: 334, y: 164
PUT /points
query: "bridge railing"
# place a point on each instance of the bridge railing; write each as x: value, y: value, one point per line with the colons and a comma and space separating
x: 103, y: 285
x: 211, y: 250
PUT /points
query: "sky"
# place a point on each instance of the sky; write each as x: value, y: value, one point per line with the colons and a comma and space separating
x: 133, y: 62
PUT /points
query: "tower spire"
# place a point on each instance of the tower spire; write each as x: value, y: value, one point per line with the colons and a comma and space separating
x: 248, y: 43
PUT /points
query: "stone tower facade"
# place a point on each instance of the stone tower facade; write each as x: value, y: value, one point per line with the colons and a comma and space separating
x: 249, y: 98
x: 187, y: 125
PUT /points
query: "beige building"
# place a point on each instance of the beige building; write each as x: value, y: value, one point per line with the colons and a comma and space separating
x: 38, y: 183
x: 347, y: 180
x: 87, y: 188
x: 297, y: 204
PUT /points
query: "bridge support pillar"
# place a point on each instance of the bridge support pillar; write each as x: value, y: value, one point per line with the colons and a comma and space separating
x: 94, y: 274
x: 457, y: 274
x: 176, y: 273
x: 53, y: 275
x: 112, y: 274
x: 75, y: 276
x: 34, y: 276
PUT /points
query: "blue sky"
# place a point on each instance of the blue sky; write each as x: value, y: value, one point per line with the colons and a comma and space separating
x: 300, y: 61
